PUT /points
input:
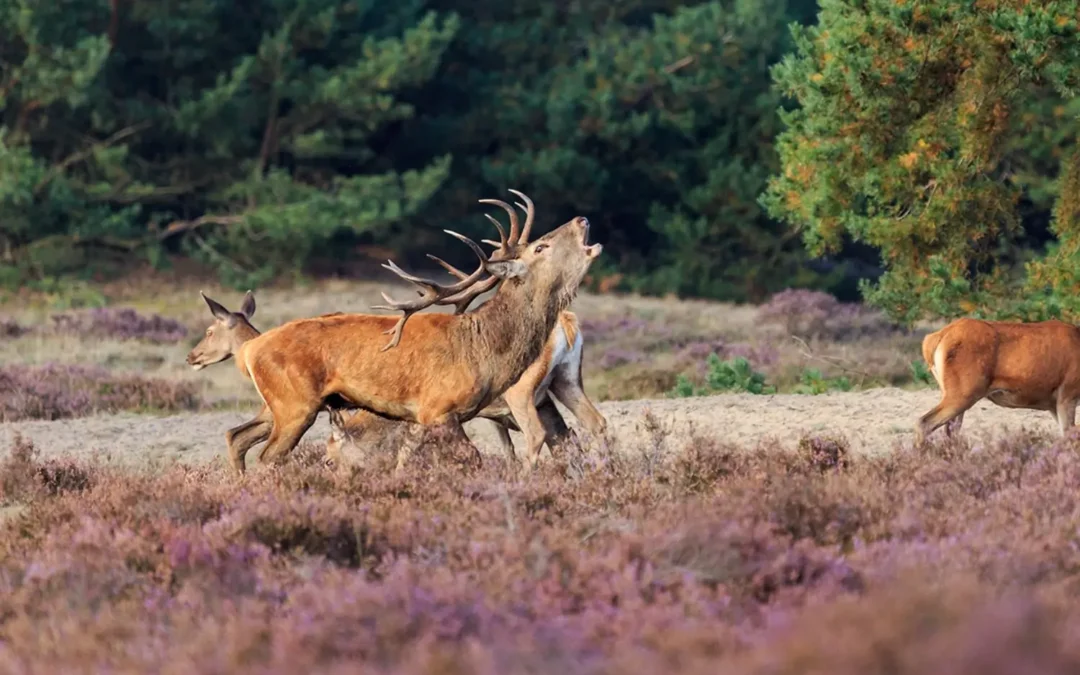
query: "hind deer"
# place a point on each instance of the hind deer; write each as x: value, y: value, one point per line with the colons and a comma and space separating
x: 437, y: 370
x: 527, y: 406
x: 1014, y: 365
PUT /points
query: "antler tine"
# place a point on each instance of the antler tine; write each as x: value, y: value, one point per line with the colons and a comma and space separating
x: 462, y: 300
x: 515, y: 224
x: 448, y: 267
x: 502, y: 233
x: 530, y: 214
x: 431, y: 292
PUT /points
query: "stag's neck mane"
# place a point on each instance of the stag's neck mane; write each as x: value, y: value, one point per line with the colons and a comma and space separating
x: 508, y: 332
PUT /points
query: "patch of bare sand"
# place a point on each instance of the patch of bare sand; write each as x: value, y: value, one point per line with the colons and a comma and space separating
x: 876, y: 420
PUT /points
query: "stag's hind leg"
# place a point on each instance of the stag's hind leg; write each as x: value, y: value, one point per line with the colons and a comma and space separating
x: 288, y: 429
x: 241, y: 438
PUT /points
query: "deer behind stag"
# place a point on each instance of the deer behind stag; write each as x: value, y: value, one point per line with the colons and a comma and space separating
x: 437, y: 370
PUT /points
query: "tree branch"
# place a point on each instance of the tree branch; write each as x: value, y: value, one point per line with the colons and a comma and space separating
x: 58, y: 169
x: 179, y: 226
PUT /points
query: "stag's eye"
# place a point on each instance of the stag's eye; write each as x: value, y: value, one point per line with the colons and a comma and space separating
x: 209, y: 332
x: 539, y: 248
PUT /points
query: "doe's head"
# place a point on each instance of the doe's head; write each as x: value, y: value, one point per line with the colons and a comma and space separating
x: 225, y: 335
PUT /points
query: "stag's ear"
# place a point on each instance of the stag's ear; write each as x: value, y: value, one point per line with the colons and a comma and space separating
x: 216, y: 308
x: 247, y: 308
x: 507, y: 269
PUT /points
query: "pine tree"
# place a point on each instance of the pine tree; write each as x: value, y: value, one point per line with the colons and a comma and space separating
x: 656, y: 119
x: 923, y: 130
x: 250, y: 134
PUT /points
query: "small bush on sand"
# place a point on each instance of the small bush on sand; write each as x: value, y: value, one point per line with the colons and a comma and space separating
x: 736, y: 375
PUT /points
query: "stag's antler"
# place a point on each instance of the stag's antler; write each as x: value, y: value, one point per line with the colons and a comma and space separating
x: 508, y: 247
x: 430, y: 292
x: 468, y: 286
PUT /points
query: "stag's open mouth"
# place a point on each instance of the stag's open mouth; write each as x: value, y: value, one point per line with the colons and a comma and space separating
x: 593, y: 250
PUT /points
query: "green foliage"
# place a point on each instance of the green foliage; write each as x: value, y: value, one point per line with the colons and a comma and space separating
x: 921, y: 374
x: 811, y: 381
x: 735, y: 375
x: 654, y: 117
x: 922, y: 130
x: 253, y: 137
x: 259, y: 142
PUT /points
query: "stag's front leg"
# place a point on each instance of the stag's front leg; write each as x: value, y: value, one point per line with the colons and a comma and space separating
x: 527, y: 417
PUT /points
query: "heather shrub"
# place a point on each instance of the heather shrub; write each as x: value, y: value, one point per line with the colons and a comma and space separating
x: 10, y: 328
x: 118, y: 323
x: 812, y: 314
x: 717, y: 559
x: 23, y: 476
x: 825, y: 453
x: 59, y: 391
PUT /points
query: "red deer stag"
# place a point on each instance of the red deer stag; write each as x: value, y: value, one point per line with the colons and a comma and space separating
x: 1015, y: 365
x: 526, y: 406
x: 438, y: 369
x: 558, y: 369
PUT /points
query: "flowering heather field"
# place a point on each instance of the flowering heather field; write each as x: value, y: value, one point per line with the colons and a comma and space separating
x: 53, y: 391
x: 635, y: 347
x: 954, y: 560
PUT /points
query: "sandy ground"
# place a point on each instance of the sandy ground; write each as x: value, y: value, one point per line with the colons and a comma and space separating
x: 876, y: 420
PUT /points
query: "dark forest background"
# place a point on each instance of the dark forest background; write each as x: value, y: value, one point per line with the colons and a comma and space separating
x: 723, y: 149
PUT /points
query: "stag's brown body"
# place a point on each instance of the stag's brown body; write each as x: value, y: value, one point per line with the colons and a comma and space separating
x: 1014, y: 365
x: 439, y: 370
x: 526, y: 406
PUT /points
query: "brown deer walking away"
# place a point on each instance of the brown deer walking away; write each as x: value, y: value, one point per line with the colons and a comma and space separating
x: 1014, y: 365
x: 437, y: 370
x: 526, y: 406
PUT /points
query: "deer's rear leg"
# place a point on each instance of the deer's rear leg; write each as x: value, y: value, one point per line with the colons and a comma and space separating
x: 566, y: 386
x: 556, y: 433
x: 505, y: 442
x: 241, y: 438
x: 947, y: 410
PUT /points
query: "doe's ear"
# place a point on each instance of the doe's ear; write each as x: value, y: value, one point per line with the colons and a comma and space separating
x: 216, y: 308
x: 507, y: 269
x: 247, y: 308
